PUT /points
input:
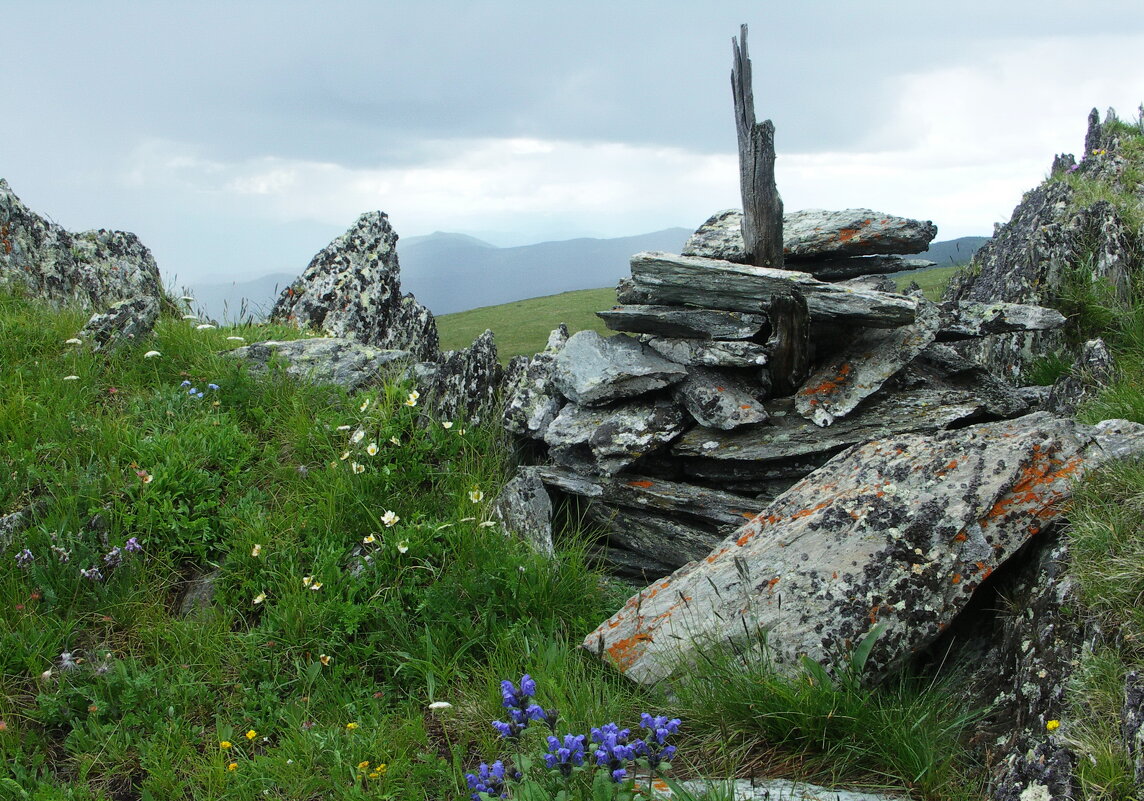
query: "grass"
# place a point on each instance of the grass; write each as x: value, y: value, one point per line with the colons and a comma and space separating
x: 354, y: 579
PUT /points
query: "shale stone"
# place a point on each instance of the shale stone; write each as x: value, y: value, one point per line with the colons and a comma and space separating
x: 889, y: 539
x: 673, y: 321
x: 325, y: 360
x: 127, y: 321
x: 603, y: 441
x: 717, y: 400
x: 1094, y: 368
x: 709, y: 352
x: 967, y: 319
x: 532, y: 400
x: 591, y: 370
x: 461, y: 384
x: 524, y: 508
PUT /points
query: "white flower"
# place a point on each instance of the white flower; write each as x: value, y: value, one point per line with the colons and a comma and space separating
x: 389, y: 518
x: 364, y: 405
x: 307, y: 581
x: 189, y: 317
x: 357, y: 468
x: 256, y: 550
x: 236, y: 339
x: 487, y: 524
x: 259, y: 598
x: 71, y: 378
x: 345, y: 455
x: 371, y: 449
x: 151, y: 354
x: 394, y: 441
x: 447, y: 425
x: 369, y: 538
x: 74, y: 341
x: 344, y: 428
x: 203, y: 327
x: 412, y: 399
x: 358, y: 436
x: 317, y: 585
x: 476, y: 496
x: 440, y: 705
x: 403, y: 546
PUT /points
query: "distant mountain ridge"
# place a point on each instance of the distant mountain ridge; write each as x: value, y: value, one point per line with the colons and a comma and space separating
x: 450, y: 272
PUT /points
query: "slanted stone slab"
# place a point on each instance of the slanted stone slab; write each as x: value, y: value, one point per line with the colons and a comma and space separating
x: 941, y: 367
x: 352, y: 289
x: 524, y: 509
x: 668, y: 279
x: 650, y: 494
x: 966, y: 319
x: 591, y: 370
x: 648, y: 545
x: 788, y: 435
x: 815, y: 232
x: 710, y: 352
x: 888, y: 539
x: 532, y: 400
x: 863, y: 366
x: 841, y: 269
x: 716, y: 400
x: 673, y: 321
x: 603, y: 441
x: 326, y: 360
x: 460, y: 384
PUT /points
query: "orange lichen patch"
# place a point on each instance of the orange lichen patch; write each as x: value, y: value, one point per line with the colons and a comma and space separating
x: 846, y: 234
x: 1042, y: 470
x: 830, y: 385
x: 960, y: 537
x: 834, y: 575
x: 641, y: 484
x: 710, y: 559
x: 719, y: 389
x: 744, y: 406
x: 956, y: 579
x: 771, y: 584
x: 625, y: 652
x: 746, y: 537
x: 807, y: 512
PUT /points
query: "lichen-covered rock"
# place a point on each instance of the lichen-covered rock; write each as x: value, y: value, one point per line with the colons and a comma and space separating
x: 592, y: 371
x: 940, y: 367
x: 778, y: 790
x: 888, y: 539
x: 675, y: 321
x: 870, y: 359
x: 125, y: 322
x: 461, y: 384
x: 1093, y: 369
x: 604, y: 440
x: 524, y: 509
x: 352, y: 288
x: 812, y: 233
x: 532, y: 400
x: 1132, y: 724
x: 326, y: 360
x: 95, y: 269
x: 717, y: 400
x: 709, y: 352
x: 967, y: 319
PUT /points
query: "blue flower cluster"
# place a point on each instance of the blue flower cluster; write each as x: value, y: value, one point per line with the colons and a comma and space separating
x: 194, y: 391
x: 111, y: 560
x: 614, y: 751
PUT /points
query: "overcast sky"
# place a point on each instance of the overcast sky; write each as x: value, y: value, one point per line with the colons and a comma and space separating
x: 237, y: 138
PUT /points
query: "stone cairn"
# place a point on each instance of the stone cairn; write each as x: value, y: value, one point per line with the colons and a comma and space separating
x: 731, y: 382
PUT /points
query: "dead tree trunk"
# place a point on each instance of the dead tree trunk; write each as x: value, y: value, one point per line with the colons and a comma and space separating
x: 762, y: 206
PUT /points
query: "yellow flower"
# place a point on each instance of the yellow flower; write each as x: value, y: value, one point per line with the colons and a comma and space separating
x: 351, y: 726
x: 256, y: 550
x: 476, y: 496
x: 260, y: 598
x: 232, y: 766
x: 324, y: 659
x: 1053, y: 725
x: 379, y: 770
x: 225, y: 744
x: 250, y: 735
x: 317, y: 585
x: 375, y: 775
x: 363, y: 765
x: 371, y: 449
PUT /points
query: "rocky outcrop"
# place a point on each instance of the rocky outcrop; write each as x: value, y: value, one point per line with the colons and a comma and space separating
x: 461, y: 384
x: 1093, y: 369
x: 888, y: 540
x: 352, y: 289
x: 108, y: 272
x: 531, y: 399
x: 593, y: 371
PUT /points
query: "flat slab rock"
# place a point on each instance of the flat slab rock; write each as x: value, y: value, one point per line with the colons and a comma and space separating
x: 788, y: 436
x: 674, y: 321
x: 592, y: 370
x: 967, y: 319
x: 816, y: 232
x: 325, y: 360
x: 717, y: 400
x: 668, y: 279
x: 894, y: 534
x: 709, y: 352
x: 605, y: 440
x: 873, y: 356
x: 774, y: 790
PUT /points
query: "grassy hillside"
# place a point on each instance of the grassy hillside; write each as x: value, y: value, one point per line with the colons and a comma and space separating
x: 522, y: 327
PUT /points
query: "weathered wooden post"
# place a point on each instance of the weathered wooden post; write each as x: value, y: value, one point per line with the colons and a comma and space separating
x: 762, y: 206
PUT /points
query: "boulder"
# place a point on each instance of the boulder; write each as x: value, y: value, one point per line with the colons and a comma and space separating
x: 666, y: 279
x: 94, y: 269
x: 460, y: 384
x: 717, y: 400
x: 967, y: 319
x: 812, y: 233
x: 125, y: 322
x: 604, y: 440
x: 888, y: 540
x: 871, y: 358
x: 524, y: 509
x: 776, y: 790
x: 531, y: 399
x: 674, y: 321
x: 352, y: 289
x: 327, y: 360
x: 591, y: 370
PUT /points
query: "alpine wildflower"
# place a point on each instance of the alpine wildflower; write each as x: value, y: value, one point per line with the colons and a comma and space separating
x: 233, y: 766
x: 74, y: 341
x: 371, y: 449
x: 251, y: 734
x: 357, y: 436
x: 447, y: 425
x: 403, y: 546
x: 324, y: 659
x: 1053, y: 725
x: 256, y: 550
x: 351, y: 726
x: 225, y: 744
x: 412, y: 399
x: 259, y: 598
x: 368, y: 539
x: 151, y: 354
x: 389, y: 518
x: 476, y: 496
x: 357, y: 468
